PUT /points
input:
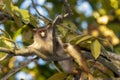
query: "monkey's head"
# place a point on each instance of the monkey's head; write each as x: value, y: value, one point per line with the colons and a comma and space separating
x: 43, y: 39
x: 43, y: 34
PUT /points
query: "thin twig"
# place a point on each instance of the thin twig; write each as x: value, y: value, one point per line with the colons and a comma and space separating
x: 67, y: 7
x: 13, y: 71
x: 40, y: 13
x: 53, y: 63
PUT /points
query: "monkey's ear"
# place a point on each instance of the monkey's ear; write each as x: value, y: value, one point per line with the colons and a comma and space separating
x: 49, y: 26
x: 34, y: 30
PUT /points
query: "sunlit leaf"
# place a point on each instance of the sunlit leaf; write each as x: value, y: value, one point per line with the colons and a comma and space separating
x: 6, y: 59
x: 6, y: 39
x: 2, y: 55
x: 18, y: 32
x: 67, y: 27
x: 76, y: 38
x: 8, y: 42
x: 2, y: 6
x: 23, y: 14
x: 70, y: 77
x: 70, y: 24
x: 62, y: 30
x: 95, y: 49
x: 8, y: 6
x: 33, y: 21
x: 58, y: 76
x: 5, y: 34
x: 83, y: 39
x: 20, y: 13
x: 2, y: 44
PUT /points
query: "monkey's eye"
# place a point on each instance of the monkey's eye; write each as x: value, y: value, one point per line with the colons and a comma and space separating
x: 43, y: 33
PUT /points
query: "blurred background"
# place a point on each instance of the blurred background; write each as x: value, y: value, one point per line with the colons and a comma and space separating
x: 100, y: 18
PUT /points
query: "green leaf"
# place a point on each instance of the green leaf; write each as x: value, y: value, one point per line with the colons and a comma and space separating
x: 84, y: 38
x: 23, y: 14
x: 62, y: 30
x: 70, y: 24
x: 27, y: 35
x: 18, y: 32
x: 67, y: 28
x: 2, y: 6
x: 33, y: 21
x: 58, y: 76
x: 8, y: 5
x: 7, y: 42
x: 2, y: 44
x: 95, y: 49
x: 5, y: 34
x: 76, y: 37
x: 2, y: 55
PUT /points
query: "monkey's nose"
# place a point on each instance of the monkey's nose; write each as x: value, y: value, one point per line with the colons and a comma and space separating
x: 43, y: 34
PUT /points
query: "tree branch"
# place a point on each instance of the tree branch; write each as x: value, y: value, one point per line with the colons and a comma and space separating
x: 13, y: 71
x: 31, y: 51
x: 114, y: 56
x: 104, y: 61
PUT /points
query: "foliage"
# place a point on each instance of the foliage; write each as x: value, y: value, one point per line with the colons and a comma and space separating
x: 79, y: 29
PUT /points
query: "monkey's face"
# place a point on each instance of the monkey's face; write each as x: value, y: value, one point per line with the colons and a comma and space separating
x: 45, y: 34
x: 42, y: 33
